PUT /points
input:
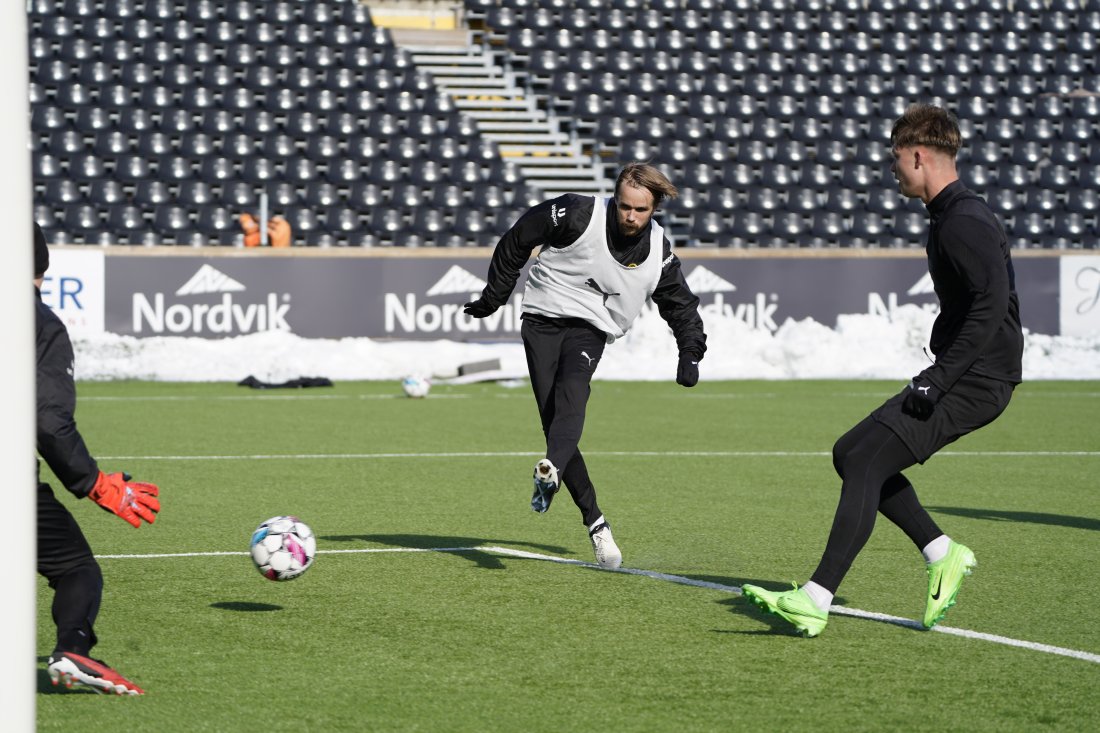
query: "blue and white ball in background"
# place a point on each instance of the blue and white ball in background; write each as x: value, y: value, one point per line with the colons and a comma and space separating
x: 283, y: 548
x: 416, y: 387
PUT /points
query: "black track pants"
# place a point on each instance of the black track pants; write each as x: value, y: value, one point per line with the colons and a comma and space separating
x: 562, y: 355
x: 869, y: 459
x: 66, y: 561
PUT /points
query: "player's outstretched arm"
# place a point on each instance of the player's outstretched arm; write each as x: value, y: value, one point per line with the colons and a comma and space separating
x: 679, y: 307
x: 554, y: 223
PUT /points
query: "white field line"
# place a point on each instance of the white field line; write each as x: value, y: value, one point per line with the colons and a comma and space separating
x: 295, y: 394
x: 264, y: 395
x: 629, y: 454
x: 669, y: 578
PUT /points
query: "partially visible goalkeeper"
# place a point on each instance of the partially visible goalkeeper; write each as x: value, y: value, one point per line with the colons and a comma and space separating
x: 64, y: 557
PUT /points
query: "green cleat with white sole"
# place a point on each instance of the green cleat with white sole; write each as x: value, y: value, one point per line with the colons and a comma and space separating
x: 794, y: 606
x: 944, y: 579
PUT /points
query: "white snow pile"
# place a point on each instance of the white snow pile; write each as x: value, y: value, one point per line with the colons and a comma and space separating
x: 858, y: 347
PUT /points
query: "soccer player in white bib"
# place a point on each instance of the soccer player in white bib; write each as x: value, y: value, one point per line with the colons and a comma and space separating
x: 601, y: 260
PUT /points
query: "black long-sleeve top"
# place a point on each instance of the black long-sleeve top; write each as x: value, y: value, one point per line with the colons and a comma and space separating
x: 561, y: 221
x: 59, y: 442
x: 978, y: 327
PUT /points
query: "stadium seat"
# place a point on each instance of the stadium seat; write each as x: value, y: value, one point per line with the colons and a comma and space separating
x: 218, y: 223
x: 386, y: 222
x: 59, y: 192
x: 342, y: 220
x: 868, y: 229
x: 69, y: 142
x: 526, y: 196
x: 449, y: 196
x: 709, y: 228
x: 239, y: 194
x: 429, y: 222
x: 83, y: 221
x: 1028, y: 229
x: 1085, y: 108
x: 843, y: 200
x: 476, y: 227
x: 391, y: 171
x: 803, y: 200
x: 1042, y: 200
x: 74, y: 49
x: 1081, y: 130
x: 910, y: 226
x: 1083, y: 200
x: 151, y: 193
x: 789, y: 229
x: 304, y: 223
x: 1056, y: 178
x: 688, y: 202
x: 1006, y: 202
x: 980, y: 177
x: 170, y: 220
x: 217, y: 168
x: 1042, y: 129
x: 343, y: 172
x: 364, y: 195
x: 91, y: 167
x: 745, y: 229
x: 884, y: 202
x: 275, y: 147
x: 102, y: 193
x: 1016, y: 176
x: 194, y: 192
x: 1069, y: 231
x: 47, y: 117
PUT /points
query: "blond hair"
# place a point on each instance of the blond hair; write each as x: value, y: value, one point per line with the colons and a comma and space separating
x: 643, y: 175
x: 928, y: 125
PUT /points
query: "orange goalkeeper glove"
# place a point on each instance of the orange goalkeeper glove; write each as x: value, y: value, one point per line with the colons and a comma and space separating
x: 131, y: 500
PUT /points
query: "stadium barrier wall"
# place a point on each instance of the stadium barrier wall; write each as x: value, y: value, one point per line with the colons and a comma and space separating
x: 418, y: 294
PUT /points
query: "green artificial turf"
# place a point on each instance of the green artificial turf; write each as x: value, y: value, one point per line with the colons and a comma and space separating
x: 730, y: 482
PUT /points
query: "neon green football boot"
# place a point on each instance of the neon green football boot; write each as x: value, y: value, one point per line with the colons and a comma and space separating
x: 794, y: 606
x: 944, y: 579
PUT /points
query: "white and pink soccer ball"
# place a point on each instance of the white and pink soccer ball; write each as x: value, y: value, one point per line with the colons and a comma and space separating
x: 283, y: 548
x: 416, y: 387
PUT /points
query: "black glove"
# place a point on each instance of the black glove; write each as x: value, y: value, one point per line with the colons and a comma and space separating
x: 479, y: 308
x: 922, y: 398
x: 687, y: 371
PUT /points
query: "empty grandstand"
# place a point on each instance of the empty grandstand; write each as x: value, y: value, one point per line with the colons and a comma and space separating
x: 158, y: 122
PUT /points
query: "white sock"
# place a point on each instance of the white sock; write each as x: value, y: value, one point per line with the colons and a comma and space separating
x: 821, y: 597
x: 597, y: 523
x: 936, y: 550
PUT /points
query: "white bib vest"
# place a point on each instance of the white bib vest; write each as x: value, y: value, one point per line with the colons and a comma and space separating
x: 584, y: 280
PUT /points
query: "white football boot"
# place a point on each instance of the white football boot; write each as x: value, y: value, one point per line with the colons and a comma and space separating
x: 603, y: 544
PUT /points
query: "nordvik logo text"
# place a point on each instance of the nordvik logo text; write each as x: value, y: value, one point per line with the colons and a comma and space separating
x: 225, y: 316
x: 405, y: 314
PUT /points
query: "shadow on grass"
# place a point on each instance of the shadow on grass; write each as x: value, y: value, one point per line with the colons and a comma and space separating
x: 245, y: 606
x: 737, y: 604
x: 457, y: 546
x: 1055, y: 520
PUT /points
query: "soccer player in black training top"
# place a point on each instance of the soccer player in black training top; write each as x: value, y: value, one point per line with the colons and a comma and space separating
x: 64, y: 557
x: 601, y: 260
x: 978, y: 346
